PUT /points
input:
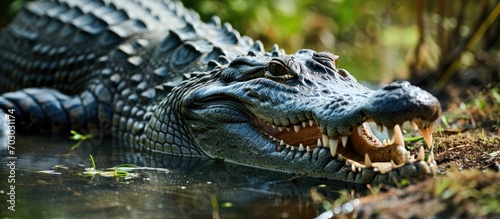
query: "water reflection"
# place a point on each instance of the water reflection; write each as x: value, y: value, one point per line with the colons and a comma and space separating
x: 182, y: 188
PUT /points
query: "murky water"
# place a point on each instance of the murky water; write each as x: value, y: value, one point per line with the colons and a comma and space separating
x: 173, y: 188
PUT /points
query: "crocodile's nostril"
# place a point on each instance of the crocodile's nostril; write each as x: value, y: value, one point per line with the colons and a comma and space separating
x: 396, y: 85
x: 342, y: 72
x: 325, y: 55
x: 305, y: 51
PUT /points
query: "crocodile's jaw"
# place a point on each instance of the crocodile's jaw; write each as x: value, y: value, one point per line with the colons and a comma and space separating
x: 254, y: 145
x: 246, y: 121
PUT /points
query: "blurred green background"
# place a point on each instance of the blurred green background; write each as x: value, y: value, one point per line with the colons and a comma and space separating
x: 431, y: 43
x: 371, y: 37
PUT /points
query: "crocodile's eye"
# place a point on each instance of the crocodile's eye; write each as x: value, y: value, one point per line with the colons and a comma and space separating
x: 278, y: 70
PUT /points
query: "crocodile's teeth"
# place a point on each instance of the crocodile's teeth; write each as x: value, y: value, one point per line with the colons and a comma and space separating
x: 360, y: 130
x: 274, y: 127
x: 304, y: 124
x: 407, y: 158
x: 393, y: 165
x: 334, y: 143
x: 301, y: 147
x: 318, y: 144
x: 380, y: 128
x: 398, y: 136
x: 288, y: 146
x: 292, y: 148
x: 311, y: 122
x: 296, y: 128
x: 308, y: 149
x: 415, y: 126
x: 280, y: 128
x: 340, y: 157
x: 288, y: 128
x: 421, y: 154
x: 425, y: 123
x: 412, y: 158
x: 384, y: 142
x: 344, y: 141
x: 383, y: 170
x: 427, y: 133
x: 390, y: 133
x: 368, y: 162
x: 282, y: 143
x: 325, y: 139
x: 431, y: 158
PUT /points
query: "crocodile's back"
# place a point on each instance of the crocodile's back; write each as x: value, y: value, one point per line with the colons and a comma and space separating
x: 117, y: 58
x: 60, y: 44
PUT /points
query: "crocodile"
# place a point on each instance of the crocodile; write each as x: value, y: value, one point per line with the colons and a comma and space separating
x: 153, y: 76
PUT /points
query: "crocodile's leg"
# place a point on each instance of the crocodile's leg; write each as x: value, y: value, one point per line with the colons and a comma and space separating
x: 45, y: 110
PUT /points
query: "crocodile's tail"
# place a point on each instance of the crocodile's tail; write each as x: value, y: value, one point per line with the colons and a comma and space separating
x: 44, y: 110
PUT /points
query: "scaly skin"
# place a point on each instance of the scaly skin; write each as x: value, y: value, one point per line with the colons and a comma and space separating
x: 155, y: 77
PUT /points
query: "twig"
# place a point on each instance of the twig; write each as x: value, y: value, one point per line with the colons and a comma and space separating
x: 450, y: 71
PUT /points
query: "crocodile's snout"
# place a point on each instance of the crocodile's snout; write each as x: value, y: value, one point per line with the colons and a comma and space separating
x: 398, y: 102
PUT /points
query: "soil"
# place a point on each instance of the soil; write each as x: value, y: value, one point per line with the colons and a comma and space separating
x: 467, y: 150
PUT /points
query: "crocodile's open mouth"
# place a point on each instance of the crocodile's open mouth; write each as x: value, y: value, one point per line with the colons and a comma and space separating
x: 361, y: 148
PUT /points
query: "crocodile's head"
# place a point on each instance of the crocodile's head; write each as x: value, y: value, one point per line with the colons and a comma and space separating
x: 302, y: 114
